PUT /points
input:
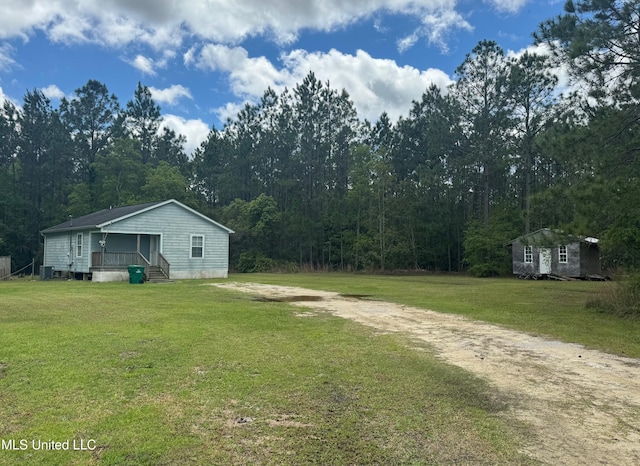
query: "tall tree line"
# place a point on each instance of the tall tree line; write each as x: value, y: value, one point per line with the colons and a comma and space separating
x: 306, y: 183
x: 85, y: 155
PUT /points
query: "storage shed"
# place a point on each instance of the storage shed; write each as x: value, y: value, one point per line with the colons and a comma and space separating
x: 549, y: 252
x: 169, y: 238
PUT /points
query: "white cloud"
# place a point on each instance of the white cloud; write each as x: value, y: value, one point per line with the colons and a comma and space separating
x: 229, y: 111
x: 149, y: 66
x: 561, y: 72
x: 164, y: 23
x: 567, y: 84
x: 143, y: 64
x: 435, y: 28
x: 4, y: 97
x: 118, y: 29
x: 170, y: 95
x: 224, y: 21
x: 196, y: 131
x: 189, y: 57
x: 52, y: 92
x: 67, y: 28
x: 408, y: 41
x: 507, y: 6
x: 249, y: 77
x: 6, y: 59
x: 167, y: 55
x: 374, y: 85
x: 19, y: 18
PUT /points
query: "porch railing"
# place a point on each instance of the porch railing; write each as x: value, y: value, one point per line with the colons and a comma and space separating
x: 163, y: 264
x: 117, y: 260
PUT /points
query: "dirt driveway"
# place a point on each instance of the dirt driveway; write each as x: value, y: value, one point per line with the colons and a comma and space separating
x: 583, y: 406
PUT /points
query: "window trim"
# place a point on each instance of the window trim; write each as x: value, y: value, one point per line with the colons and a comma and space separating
x: 528, y: 254
x: 79, y: 244
x: 191, y: 246
x: 563, y: 257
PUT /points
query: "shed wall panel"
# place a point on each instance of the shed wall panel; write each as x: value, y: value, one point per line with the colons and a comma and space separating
x: 590, y: 259
x: 582, y: 258
x: 572, y: 267
x: 520, y: 267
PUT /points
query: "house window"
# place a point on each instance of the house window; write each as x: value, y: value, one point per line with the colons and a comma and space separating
x: 79, y: 245
x: 528, y: 254
x: 197, y: 246
x: 562, y: 255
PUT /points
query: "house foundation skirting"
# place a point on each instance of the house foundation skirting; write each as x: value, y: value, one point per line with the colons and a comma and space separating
x: 123, y: 275
x: 110, y: 275
x: 196, y: 274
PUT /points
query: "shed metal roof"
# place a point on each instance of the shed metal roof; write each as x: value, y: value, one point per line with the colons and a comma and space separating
x: 555, y: 235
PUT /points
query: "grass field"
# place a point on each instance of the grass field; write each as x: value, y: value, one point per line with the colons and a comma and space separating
x: 543, y: 307
x: 187, y: 373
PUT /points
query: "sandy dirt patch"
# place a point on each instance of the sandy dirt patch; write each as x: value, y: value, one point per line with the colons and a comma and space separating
x: 582, y: 406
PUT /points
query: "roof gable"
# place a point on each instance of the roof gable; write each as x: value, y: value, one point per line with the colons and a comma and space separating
x: 106, y: 217
x: 547, y: 237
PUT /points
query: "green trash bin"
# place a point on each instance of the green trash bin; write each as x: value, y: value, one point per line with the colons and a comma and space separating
x: 136, y: 274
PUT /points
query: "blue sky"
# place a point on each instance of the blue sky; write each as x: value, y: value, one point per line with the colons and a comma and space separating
x: 203, y: 59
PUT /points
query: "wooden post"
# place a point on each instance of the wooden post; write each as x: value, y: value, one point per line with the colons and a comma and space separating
x: 5, y: 267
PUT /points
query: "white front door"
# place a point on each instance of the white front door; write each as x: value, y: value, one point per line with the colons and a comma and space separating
x: 153, y: 250
x: 545, y: 261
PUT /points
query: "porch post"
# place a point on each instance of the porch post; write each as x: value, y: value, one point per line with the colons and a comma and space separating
x: 138, y: 245
x: 103, y: 246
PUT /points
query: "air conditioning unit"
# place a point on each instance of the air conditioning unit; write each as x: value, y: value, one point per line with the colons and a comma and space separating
x: 46, y: 272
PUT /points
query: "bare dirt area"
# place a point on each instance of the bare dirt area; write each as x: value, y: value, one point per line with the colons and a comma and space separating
x: 582, y: 407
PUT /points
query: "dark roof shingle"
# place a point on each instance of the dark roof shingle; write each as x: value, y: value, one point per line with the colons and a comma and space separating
x: 98, y: 218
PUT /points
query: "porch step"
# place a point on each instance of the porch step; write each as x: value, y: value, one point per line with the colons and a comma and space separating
x: 155, y: 275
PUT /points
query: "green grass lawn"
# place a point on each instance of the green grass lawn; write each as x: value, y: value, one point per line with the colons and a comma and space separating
x: 550, y: 308
x: 188, y: 373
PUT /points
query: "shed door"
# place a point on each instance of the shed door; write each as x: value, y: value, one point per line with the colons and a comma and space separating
x: 545, y: 261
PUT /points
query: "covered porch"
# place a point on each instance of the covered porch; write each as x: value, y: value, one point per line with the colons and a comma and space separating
x: 114, y: 252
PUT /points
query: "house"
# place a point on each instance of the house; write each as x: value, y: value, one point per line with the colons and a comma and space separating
x: 168, y: 238
x: 549, y: 252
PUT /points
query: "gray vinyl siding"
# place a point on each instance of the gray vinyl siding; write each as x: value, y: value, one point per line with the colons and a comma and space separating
x: 162, y: 227
x: 176, y: 225
x: 57, y: 251
x: 61, y: 249
x: 127, y: 242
